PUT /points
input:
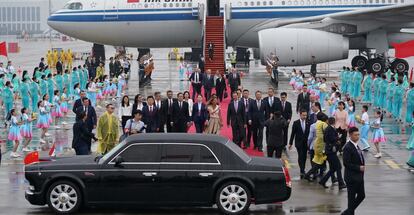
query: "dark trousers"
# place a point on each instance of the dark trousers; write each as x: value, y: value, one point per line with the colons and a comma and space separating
x: 180, y: 127
x: 233, y: 88
x: 334, y: 167
x: 207, y: 93
x: 257, y: 136
x: 196, y: 90
x: 199, y: 127
x: 210, y: 54
x: 302, y: 156
x: 238, y: 133
x: 285, y: 137
x: 276, y: 150
x: 124, y: 120
x: 248, y: 136
x: 82, y: 149
x: 220, y: 94
x: 342, y: 133
x: 356, y: 194
x: 169, y: 120
x: 92, y: 74
x: 322, y: 167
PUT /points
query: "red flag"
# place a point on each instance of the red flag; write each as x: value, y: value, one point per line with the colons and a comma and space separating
x: 32, y: 157
x: 3, y: 49
x: 132, y: 1
x: 405, y: 49
x: 52, y: 151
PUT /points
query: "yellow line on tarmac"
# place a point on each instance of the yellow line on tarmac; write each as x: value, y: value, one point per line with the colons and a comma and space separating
x: 392, y: 164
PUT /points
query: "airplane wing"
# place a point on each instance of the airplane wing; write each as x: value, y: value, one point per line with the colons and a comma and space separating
x: 381, y: 16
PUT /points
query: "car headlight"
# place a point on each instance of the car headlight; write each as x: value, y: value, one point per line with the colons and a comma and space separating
x: 31, y: 188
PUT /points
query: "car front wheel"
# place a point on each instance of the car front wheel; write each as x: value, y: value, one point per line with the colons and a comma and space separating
x: 233, y: 198
x: 64, y: 197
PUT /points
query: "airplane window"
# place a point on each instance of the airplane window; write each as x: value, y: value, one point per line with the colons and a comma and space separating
x: 189, y: 4
x: 239, y: 3
x: 164, y: 5
x: 258, y: 3
x: 295, y: 2
x: 171, y: 5
x: 146, y: 5
x: 320, y: 2
x: 139, y: 5
x: 183, y: 4
x: 151, y: 5
x: 364, y: 1
x: 177, y: 4
x: 333, y: 2
x: 252, y: 3
x: 327, y: 2
x: 371, y: 1
x: 396, y: 1
x: 314, y: 2
x: 245, y: 3
x: 289, y: 3
x: 351, y: 2
x: 283, y: 3
x: 340, y: 2
x: 402, y: 1
x: 377, y: 1
x: 270, y: 3
x: 264, y: 3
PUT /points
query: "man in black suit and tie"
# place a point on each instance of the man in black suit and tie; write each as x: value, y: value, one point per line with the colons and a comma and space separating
x: 196, y: 82
x: 276, y: 125
x: 91, y: 118
x: 168, y: 105
x: 247, y: 101
x: 234, y: 80
x: 150, y: 116
x: 354, y: 163
x: 257, y: 118
x: 273, y: 102
x: 316, y: 108
x: 303, y: 100
x: 220, y: 86
x: 236, y: 117
x: 181, y: 117
x: 208, y: 83
x: 286, y: 108
x: 161, y: 111
x: 199, y: 114
x: 78, y: 102
x: 300, y: 133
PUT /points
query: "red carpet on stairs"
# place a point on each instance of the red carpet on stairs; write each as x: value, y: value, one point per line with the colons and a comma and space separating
x: 214, y: 33
x: 226, y: 131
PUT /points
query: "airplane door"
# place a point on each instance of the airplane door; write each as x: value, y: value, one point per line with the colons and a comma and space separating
x: 111, y: 9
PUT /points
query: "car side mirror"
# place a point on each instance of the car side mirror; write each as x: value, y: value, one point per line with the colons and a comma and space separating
x: 118, y: 161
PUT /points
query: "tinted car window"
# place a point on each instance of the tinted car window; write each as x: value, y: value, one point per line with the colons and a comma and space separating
x: 176, y: 153
x: 141, y: 153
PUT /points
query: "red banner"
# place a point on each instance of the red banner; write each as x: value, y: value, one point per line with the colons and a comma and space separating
x: 403, y: 50
x: 3, y: 49
x: 133, y: 1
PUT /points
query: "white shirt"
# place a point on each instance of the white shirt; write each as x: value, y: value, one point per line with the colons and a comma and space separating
x: 365, y: 118
x: 303, y: 125
x: 124, y: 111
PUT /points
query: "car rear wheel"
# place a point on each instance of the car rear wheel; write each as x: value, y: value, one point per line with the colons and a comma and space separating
x: 233, y: 198
x: 64, y: 197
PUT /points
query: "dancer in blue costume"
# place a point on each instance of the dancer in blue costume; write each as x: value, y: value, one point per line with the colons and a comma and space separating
x: 367, y: 89
x: 410, y: 104
x: 59, y: 81
x: 8, y: 98
x: 390, y: 95
x: 357, y: 84
x: 410, y: 144
x: 398, y: 100
x: 50, y: 87
x: 351, y: 83
x: 343, y: 80
x: 347, y: 76
x: 383, y: 92
x: 75, y: 77
x: 81, y: 76
x: 24, y: 91
x: 406, y: 84
x: 376, y: 86
x: 43, y: 86
x: 67, y: 81
x: 34, y: 92
x: 16, y: 85
x: 364, y: 121
x: 323, y: 92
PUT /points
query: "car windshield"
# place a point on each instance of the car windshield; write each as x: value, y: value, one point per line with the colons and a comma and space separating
x: 110, y: 153
x: 239, y: 152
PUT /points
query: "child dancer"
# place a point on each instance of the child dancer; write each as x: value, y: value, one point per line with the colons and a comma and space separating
x: 351, y: 113
x: 64, y: 107
x: 76, y: 92
x: 8, y: 98
x: 48, y: 107
x: 42, y: 120
x: 410, y: 144
x: 378, y: 133
x: 323, y: 91
x: 91, y: 93
x: 333, y: 102
x: 56, y: 111
x: 14, y: 133
x: 364, y: 121
x: 26, y: 129
x: 99, y: 88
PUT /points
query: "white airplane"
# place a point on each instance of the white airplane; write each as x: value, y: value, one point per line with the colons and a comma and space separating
x: 299, y: 32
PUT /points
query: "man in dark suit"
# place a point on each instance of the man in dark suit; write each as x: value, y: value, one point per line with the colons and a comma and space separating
x: 300, y: 133
x: 208, y: 83
x: 91, y: 119
x: 199, y: 114
x: 257, y: 118
x: 276, y: 127
x: 247, y: 101
x: 272, y: 102
x: 236, y: 117
x: 150, y: 116
x: 234, y: 80
x: 220, y: 86
x: 181, y: 117
x: 78, y: 102
x: 196, y: 82
x: 354, y: 163
x: 316, y: 108
x: 59, y: 66
x: 82, y: 136
x: 161, y: 111
x: 201, y: 64
x: 286, y: 108
x: 303, y: 101
x: 168, y: 104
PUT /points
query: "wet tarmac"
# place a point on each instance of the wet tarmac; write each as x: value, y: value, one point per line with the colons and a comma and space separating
x: 389, y: 183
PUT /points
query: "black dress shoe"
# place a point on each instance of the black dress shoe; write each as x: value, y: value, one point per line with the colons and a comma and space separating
x: 342, y: 186
x: 302, y: 175
x: 335, y: 180
x: 260, y: 150
x: 323, y: 185
x: 307, y: 177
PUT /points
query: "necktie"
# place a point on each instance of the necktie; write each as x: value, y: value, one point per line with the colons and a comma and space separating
x: 151, y: 109
x: 158, y: 104
x: 246, y: 105
x: 360, y: 155
x: 196, y: 77
x: 258, y: 104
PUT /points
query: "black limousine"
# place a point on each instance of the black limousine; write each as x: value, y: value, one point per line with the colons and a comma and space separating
x: 160, y: 170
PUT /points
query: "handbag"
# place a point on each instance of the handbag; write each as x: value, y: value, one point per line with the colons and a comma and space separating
x: 125, y: 135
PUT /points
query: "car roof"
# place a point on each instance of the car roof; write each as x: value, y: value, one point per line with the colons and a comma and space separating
x: 176, y: 138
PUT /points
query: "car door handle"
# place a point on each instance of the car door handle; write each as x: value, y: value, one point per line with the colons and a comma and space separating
x: 205, y: 174
x: 149, y: 174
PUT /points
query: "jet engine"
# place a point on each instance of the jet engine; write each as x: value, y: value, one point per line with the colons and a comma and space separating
x: 299, y: 47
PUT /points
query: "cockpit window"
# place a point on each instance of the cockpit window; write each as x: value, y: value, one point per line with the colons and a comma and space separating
x: 74, y: 6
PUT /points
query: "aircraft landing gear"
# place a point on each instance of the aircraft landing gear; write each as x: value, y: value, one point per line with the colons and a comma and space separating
x: 359, y: 61
x: 376, y: 65
x: 400, y: 66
